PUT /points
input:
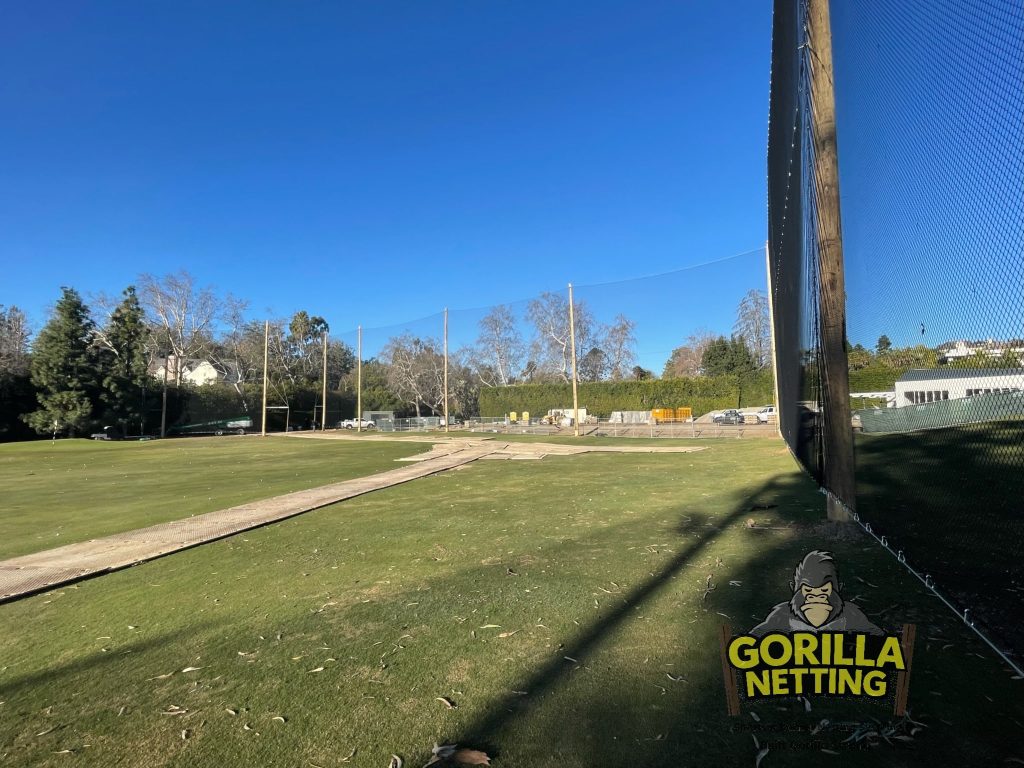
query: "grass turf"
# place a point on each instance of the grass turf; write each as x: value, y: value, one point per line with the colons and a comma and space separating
x: 74, y: 490
x: 351, y: 621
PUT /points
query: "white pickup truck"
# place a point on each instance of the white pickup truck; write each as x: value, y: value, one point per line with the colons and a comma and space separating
x: 355, y: 423
x: 766, y: 414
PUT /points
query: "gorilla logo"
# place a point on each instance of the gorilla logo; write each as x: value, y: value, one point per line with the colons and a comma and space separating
x: 816, y: 605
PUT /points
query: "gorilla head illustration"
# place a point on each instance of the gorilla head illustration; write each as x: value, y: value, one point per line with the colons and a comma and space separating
x: 816, y: 604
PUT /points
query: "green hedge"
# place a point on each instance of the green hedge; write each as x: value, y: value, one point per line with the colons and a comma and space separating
x: 600, y: 398
x: 875, y: 378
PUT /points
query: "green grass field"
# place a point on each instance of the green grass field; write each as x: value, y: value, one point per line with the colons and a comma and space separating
x: 75, y: 490
x: 328, y: 639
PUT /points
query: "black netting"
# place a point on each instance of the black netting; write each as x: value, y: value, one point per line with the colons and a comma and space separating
x: 930, y: 124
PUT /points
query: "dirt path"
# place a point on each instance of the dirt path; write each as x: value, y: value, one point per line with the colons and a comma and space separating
x: 21, y: 576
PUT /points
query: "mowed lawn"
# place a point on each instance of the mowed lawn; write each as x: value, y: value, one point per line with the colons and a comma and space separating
x: 561, y: 608
x: 52, y: 494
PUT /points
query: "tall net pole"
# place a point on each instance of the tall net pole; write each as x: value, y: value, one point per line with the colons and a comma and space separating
x: 323, y: 411
x: 837, y: 432
x: 359, y: 379
x: 572, y: 350
x: 771, y: 331
x: 446, y: 369
x: 266, y: 349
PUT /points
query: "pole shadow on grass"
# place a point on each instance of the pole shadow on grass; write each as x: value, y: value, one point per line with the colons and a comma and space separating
x: 94, y: 662
x: 691, y: 727
x: 603, y: 717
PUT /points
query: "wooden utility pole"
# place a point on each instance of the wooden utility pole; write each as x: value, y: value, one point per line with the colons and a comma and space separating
x: 446, y: 369
x: 572, y: 349
x: 837, y: 428
x: 323, y: 411
x: 359, y: 379
x: 771, y: 330
x: 163, y: 406
x: 266, y: 349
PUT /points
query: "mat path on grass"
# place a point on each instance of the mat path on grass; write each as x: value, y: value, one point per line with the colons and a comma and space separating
x: 29, y: 574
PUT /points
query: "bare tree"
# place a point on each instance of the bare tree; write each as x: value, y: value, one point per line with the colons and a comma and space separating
x: 752, y: 326
x: 500, y: 348
x: 183, y: 314
x: 415, y: 371
x: 620, y: 348
x: 14, y: 335
x: 686, y: 360
x: 550, y: 348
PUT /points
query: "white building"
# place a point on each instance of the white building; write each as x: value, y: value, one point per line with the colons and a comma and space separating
x: 933, y: 385
x: 193, y: 370
x: 958, y: 350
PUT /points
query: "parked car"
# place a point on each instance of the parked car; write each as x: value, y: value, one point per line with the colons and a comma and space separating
x: 108, y: 433
x: 766, y: 414
x: 731, y: 416
x: 355, y: 423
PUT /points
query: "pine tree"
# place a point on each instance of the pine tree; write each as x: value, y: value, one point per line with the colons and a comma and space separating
x: 63, y: 369
x: 124, y: 361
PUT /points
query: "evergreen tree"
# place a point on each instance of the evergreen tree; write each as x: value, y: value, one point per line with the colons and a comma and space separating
x: 124, y: 361
x: 724, y: 356
x: 63, y: 369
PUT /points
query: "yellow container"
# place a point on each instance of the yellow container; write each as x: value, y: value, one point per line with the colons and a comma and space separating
x: 512, y: 417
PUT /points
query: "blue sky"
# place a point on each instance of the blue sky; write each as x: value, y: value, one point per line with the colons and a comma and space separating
x: 302, y: 155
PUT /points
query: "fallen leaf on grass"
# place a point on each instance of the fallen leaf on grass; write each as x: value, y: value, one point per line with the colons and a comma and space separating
x: 396, y: 762
x: 191, y: 669
x: 48, y: 730
x: 508, y: 634
x: 318, y: 669
x: 760, y: 756
x: 675, y: 678
x: 231, y: 712
x: 350, y: 756
x: 185, y: 734
x: 279, y: 719
x: 491, y: 626
x: 570, y: 658
x: 447, y: 702
x: 159, y: 677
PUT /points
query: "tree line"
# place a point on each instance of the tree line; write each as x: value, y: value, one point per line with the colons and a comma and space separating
x: 103, y: 363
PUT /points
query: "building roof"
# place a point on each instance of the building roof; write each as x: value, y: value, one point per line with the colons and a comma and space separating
x: 952, y: 374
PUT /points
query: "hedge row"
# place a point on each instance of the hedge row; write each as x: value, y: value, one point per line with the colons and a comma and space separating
x: 600, y: 398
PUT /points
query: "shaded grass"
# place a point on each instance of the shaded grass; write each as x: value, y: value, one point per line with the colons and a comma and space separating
x: 951, y: 500
x: 74, y: 490
x: 603, y: 558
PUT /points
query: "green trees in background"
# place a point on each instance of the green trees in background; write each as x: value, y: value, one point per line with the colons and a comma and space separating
x: 65, y: 369
x: 124, y: 353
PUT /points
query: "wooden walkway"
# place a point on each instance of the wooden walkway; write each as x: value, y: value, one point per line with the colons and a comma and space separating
x: 29, y: 574
x: 21, y: 576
